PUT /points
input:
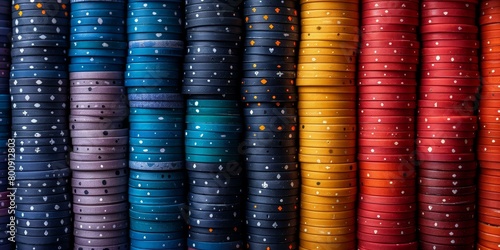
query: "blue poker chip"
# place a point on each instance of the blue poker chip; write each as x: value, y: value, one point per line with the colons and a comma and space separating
x: 37, y: 199
x: 158, y: 143
x: 159, y: 12
x: 153, y: 59
x: 155, y: 157
x: 156, y: 126
x: 149, y: 135
x: 95, y: 29
x: 168, y: 244
x: 156, y: 227
x: 98, y: 60
x: 153, y: 192
x: 153, y: 74
x: 97, y: 5
x: 146, y: 149
x: 97, y: 52
x: 211, y: 143
x: 215, y: 245
x: 96, y: 45
x: 97, y: 37
x: 155, y: 236
x: 98, y: 13
x: 155, y: 51
x: 41, y: 29
x: 153, y: 36
x: 151, y: 20
x: 87, y: 67
x: 179, y: 44
x: 156, y: 166
x: 212, y: 158
x: 49, y: 174
x: 155, y: 216
x: 39, y: 59
x: 174, y: 29
x: 156, y: 66
x: 212, y: 151
x: 39, y: 66
x: 190, y: 134
x: 178, y: 184
x: 40, y: 166
x: 111, y: 21
x: 156, y: 200
x: 41, y: 43
x: 41, y: 73
x: 43, y: 243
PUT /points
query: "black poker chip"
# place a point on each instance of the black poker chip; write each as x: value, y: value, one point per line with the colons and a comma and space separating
x: 212, y: 36
x: 252, y: 230
x: 235, y: 236
x: 210, y: 21
x: 272, y: 3
x: 293, y: 199
x: 235, y: 30
x: 42, y: 223
x: 267, y: 59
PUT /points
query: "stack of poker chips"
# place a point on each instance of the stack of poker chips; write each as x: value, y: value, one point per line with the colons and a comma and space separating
x: 98, y: 121
x: 153, y: 77
x: 213, y: 124
x: 5, y: 114
x: 446, y: 125
x: 327, y: 111
x: 388, y: 62
x: 489, y: 129
x: 38, y: 88
x: 270, y: 97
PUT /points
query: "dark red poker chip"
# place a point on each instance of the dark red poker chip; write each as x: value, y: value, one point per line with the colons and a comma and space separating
x: 450, y: 240
x: 469, y: 44
x: 449, y: 66
x: 386, y: 216
x: 377, y: 150
x: 390, y: 20
x: 446, y: 11
x: 446, y: 134
x: 386, y: 239
x: 444, y: 126
x: 377, y: 4
x: 450, y: 97
x: 434, y: 182
x: 447, y: 20
x: 386, y: 231
x: 449, y: 59
x: 446, y: 174
x: 445, y: 111
x: 447, y: 119
x: 448, y: 209
x: 388, y: 51
x: 448, y: 36
x: 450, y: 74
x: 449, y: 4
x: 388, y: 208
x: 464, y: 232
x: 444, y: 141
x: 449, y: 28
x: 444, y: 149
x: 445, y: 104
x: 365, y: 198
x: 445, y: 157
x: 449, y: 191
x: 365, y: 245
x: 389, y: 12
x: 385, y: 112
x: 394, y: 66
x: 385, y: 223
x: 450, y: 217
x: 431, y: 246
x: 450, y: 51
x: 449, y: 168
x: 456, y: 224
x: 389, y: 28
x: 381, y: 74
x: 450, y: 86
x: 384, y: 135
x: 406, y: 168
x: 374, y: 36
x: 390, y: 44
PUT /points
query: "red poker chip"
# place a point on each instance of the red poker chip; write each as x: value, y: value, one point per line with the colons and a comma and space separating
x: 449, y: 4
x: 448, y: 168
x: 370, y: 182
x: 488, y: 119
x: 489, y: 4
x: 488, y: 141
x: 490, y: 104
x: 489, y: 112
x: 389, y: 59
x: 489, y: 241
x: 386, y: 216
x: 448, y: 28
x: 488, y: 187
x: 388, y: 82
x: 468, y: 44
x: 460, y: 208
x: 388, y: 208
x: 447, y: 174
x: 444, y: 149
x: 385, y: 150
x: 489, y: 168
x: 386, y: 239
x: 488, y: 19
x: 450, y: 59
x: 445, y: 157
x: 488, y: 133
x: 390, y: 12
x: 386, y: 231
x: 374, y: 36
x: 492, y: 126
x: 365, y: 245
x: 450, y: 240
x: 449, y: 66
x: 385, y: 158
x: 447, y: 20
x: 446, y: 134
x: 495, y: 212
x: 434, y: 182
x: 387, y: 67
x: 383, y: 90
x: 388, y: 191
x: 447, y: 232
x: 389, y: 51
x: 386, y: 142
x: 390, y: 44
x: 485, y: 42
x: 385, y: 112
x: 387, y: 97
x: 381, y: 74
x: 467, y: 127
x: 447, y: 119
x: 447, y: 11
x: 387, y: 175
x: 490, y: 57
x: 389, y: 28
x: 408, y: 168
x: 450, y: 217
x: 385, y: 223
x: 487, y: 195
x: 385, y: 135
x: 431, y: 246
x: 483, y: 218
x: 377, y: 4
x: 380, y: 104
x: 490, y: 85
x: 450, y: 86
x: 492, y: 179
x: 450, y: 97
x: 449, y: 191
x: 445, y: 142
x: 450, y: 73
x: 488, y: 148
x: 397, y: 120
x: 488, y: 203
x: 446, y: 200
x: 445, y: 111
x: 450, y: 51
x: 446, y: 104
x: 386, y: 127
x: 492, y: 34
x: 448, y: 36
x: 494, y: 230
x: 398, y: 200
x: 390, y: 20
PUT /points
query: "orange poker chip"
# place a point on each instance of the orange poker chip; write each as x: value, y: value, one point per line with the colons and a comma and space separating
x: 327, y: 200
x: 307, y: 169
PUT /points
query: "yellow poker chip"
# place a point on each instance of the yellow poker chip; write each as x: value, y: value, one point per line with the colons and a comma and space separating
x: 327, y: 135
x: 326, y: 112
x: 329, y: 13
x: 328, y: 230
x: 330, y: 104
x: 327, y: 200
x: 329, y: 183
x: 353, y: 22
x: 329, y: 29
x: 313, y: 169
x: 339, y: 215
x: 327, y: 128
x: 325, y: 96
x: 310, y: 51
x: 329, y: 192
x: 308, y: 64
x: 327, y: 158
x: 327, y: 144
x: 328, y: 5
x: 328, y: 89
x: 328, y: 208
x: 305, y: 221
x: 343, y: 45
x: 330, y: 37
x: 310, y: 82
x: 331, y: 119
x: 308, y: 240
x: 327, y: 151
x: 325, y: 74
x: 334, y: 59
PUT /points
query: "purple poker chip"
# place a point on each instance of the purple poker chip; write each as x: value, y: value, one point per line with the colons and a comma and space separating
x: 100, y: 174
x: 99, y: 183
x: 99, y: 133
x: 100, y: 210
x: 104, y: 75
x: 99, y: 199
x: 117, y: 90
x: 100, y: 150
x: 101, y: 226
x: 87, y: 161
x: 120, y: 112
x: 96, y: 141
x: 101, y: 217
x: 99, y: 234
x: 99, y: 191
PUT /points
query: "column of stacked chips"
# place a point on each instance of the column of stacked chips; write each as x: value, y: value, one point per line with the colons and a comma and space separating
x: 153, y: 77
x: 327, y: 111
x: 388, y: 61
x: 98, y: 115
x: 269, y: 93
x: 446, y: 125
x: 5, y: 116
x: 487, y: 148
x: 213, y: 124
x: 38, y: 87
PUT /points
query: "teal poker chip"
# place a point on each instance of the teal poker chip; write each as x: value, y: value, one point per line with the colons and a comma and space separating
x: 157, y: 175
x: 153, y: 66
x: 95, y: 36
x: 153, y: 59
x: 155, y: 217
x: 160, y: 142
x: 198, y: 150
x: 213, y: 111
x: 156, y: 126
x: 190, y: 134
x: 214, y: 127
x: 155, y: 157
x: 156, y: 166
x: 153, y: 74
x: 154, y: 192
x: 97, y: 60
x: 155, y: 51
x: 157, y: 200
x: 153, y: 36
x: 111, y: 21
x: 212, y: 159
x: 155, y: 236
x: 87, y: 67
x: 177, y: 184
x: 160, y: 244
x: 96, y: 45
x: 150, y: 20
x: 145, y: 111
x: 214, y: 119
x: 212, y: 103
x: 155, y: 104
x: 154, y: 135
x: 160, y: 13
x: 98, y: 13
x: 136, y: 4
x: 147, y: 90
x: 154, y: 82
x: 155, y: 118
x: 155, y: 43
x: 211, y: 143
x: 102, y: 29
x: 38, y: 73
x: 97, y: 52
x: 174, y: 29
x: 175, y: 149
x: 97, y: 5
x: 156, y: 227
